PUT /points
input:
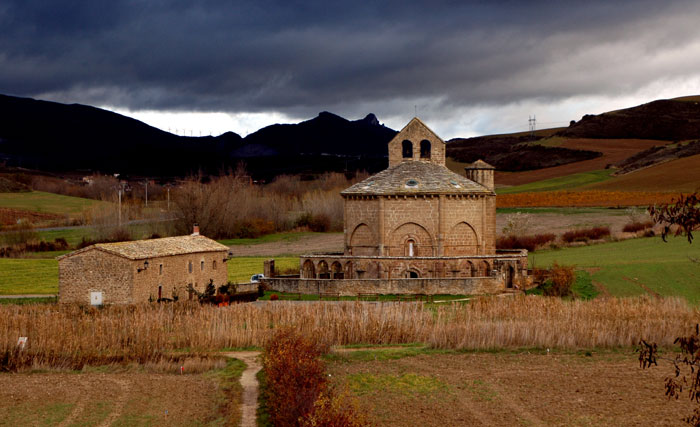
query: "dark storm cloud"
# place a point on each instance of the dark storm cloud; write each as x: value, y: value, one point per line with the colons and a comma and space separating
x: 300, y: 57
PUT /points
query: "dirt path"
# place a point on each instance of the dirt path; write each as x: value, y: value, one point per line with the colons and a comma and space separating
x: 249, y: 382
x: 643, y: 286
x: 324, y: 242
x: 119, y: 403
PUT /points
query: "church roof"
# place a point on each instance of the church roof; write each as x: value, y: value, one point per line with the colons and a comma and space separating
x: 414, y: 177
x: 480, y: 164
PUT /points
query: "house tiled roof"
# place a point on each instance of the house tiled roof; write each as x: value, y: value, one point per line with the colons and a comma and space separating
x: 415, y: 177
x: 152, y: 248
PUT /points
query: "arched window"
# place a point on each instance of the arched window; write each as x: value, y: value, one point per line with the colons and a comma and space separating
x: 425, y: 149
x: 410, y: 247
x: 189, y: 267
x: 412, y: 274
x: 407, y: 149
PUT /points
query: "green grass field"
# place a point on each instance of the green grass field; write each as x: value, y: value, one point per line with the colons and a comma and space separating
x: 40, y: 201
x: 562, y: 183
x: 40, y: 276
x: 241, y: 268
x: 28, y: 276
x: 635, y: 267
x: 575, y: 211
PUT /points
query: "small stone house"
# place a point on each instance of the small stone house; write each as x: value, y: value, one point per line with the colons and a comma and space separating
x: 141, y: 270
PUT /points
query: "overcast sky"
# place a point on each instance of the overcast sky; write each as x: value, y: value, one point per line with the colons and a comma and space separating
x: 466, y: 67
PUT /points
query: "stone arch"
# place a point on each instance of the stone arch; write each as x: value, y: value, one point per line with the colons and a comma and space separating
x: 323, y: 270
x: 462, y: 240
x: 399, y: 238
x: 337, y: 270
x: 362, y: 241
x: 348, y: 270
x: 407, y: 149
x: 484, y: 268
x: 510, y: 275
x: 425, y: 149
x: 307, y: 270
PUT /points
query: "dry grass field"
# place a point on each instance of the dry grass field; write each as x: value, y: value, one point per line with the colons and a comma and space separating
x: 525, y: 387
x: 71, y: 337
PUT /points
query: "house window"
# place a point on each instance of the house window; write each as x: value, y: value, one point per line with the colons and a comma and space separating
x: 161, y: 269
x: 201, y: 265
x: 407, y: 149
x: 213, y: 265
x: 189, y: 267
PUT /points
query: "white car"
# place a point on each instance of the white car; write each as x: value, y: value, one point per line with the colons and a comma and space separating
x: 255, y: 278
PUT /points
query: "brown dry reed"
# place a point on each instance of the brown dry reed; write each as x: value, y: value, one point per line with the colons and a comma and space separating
x: 72, y: 337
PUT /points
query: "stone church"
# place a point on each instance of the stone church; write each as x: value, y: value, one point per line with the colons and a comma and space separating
x: 419, y: 220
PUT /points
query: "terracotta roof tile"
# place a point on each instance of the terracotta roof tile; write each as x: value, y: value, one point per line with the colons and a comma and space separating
x: 152, y: 248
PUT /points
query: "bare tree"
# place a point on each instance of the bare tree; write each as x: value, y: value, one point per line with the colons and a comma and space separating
x: 680, y: 218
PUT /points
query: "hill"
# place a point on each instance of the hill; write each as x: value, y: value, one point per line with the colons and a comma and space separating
x: 666, y: 119
x: 56, y: 137
x: 516, y: 152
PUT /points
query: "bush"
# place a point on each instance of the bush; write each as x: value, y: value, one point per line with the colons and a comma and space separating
x: 559, y: 280
x: 531, y: 243
x: 633, y: 227
x: 297, y: 391
x: 295, y: 376
x: 252, y: 228
x: 319, y: 222
x: 586, y: 234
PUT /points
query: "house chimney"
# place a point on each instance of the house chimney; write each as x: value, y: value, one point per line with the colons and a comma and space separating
x: 195, y: 230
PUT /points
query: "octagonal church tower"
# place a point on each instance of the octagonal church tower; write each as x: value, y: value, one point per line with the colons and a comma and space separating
x: 418, y: 219
x: 417, y: 207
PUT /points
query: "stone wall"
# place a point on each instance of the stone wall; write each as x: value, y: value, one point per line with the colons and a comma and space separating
x: 121, y: 282
x: 510, y: 266
x: 449, y: 225
x: 95, y: 271
x: 469, y: 286
x: 175, y: 274
x: 415, y: 132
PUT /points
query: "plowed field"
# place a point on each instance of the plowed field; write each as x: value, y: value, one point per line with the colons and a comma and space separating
x: 614, y: 150
x: 483, y: 389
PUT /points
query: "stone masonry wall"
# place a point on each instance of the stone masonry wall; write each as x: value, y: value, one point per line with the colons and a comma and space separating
x: 94, y: 271
x: 415, y: 132
x: 469, y: 286
x: 120, y: 281
x: 361, y: 240
x: 175, y: 275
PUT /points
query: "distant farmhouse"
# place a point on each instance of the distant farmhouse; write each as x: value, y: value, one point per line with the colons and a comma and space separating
x: 142, y: 270
x: 416, y: 227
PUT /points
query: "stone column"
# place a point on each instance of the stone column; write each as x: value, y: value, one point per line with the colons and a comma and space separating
x: 380, y: 225
x: 346, y: 244
x: 484, y: 219
x: 441, y: 226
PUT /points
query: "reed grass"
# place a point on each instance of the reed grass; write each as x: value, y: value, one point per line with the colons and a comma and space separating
x: 71, y: 336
